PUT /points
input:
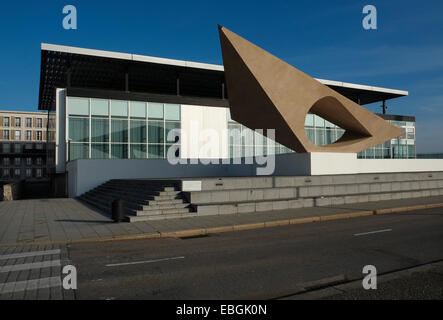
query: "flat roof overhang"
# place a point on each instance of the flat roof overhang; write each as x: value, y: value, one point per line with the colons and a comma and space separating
x: 146, y: 77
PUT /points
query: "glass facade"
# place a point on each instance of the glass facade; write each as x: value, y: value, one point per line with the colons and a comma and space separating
x: 322, y: 132
x: 116, y: 129
x: 402, y: 147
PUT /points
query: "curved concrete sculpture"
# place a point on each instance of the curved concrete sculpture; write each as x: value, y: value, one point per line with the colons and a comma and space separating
x: 267, y: 93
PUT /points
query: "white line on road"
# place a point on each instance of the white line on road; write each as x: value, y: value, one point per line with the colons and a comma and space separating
x: 372, y: 232
x: 41, y: 283
x: 28, y: 266
x: 140, y: 262
x: 29, y: 254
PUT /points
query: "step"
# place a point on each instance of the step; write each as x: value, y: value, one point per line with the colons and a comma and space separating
x: 160, y: 212
x: 133, y: 196
x: 235, y: 183
x: 259, y: 194
x: 161, y: 217
x: 110, y: 196
x: 295, y: 203
x: 167, y: 186
x: 140, y: 191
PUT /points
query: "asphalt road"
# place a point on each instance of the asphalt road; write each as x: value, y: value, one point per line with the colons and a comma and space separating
x: 256, y: 264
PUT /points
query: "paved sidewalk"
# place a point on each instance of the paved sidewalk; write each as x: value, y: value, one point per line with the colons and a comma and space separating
x: 33, y: 273
x: 46, y: 221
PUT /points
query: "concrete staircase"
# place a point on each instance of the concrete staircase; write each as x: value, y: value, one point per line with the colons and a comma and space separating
x: 143, y: 199
x: 164, y: 199
x: 258, y: 194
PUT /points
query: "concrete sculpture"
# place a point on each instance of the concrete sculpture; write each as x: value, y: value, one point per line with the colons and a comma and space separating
x: 267, y: 93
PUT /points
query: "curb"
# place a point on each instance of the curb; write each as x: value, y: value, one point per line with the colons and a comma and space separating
x: 240, y: 227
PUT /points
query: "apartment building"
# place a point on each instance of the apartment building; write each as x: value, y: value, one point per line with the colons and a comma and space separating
x: 24, y: 147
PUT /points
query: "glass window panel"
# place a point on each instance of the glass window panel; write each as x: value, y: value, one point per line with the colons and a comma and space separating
x: 138, y: 109
x: 370, y: 153
x: 99, y: 107
x: 78, y: 151
x: 248, y: 151
x: 78, y: 106
x: 319, y: 137
x: 378, y: 153
x: 319, y: 121
x: 119, y: 130
x: 100, y: 130
x: 247, y: 136
x: 99, y: 151
x: 309, y: 121
x: 311, y: 134
x: 155, y: 132
x: 78, y: 129
x: 411, y: 151
x: 138, y: 151
x: 155, y: 151
x: 340, y: 133
x: 155, y: 110
x: 119, y: 151
x: 329, y: 124
x: 170, y: 126
x: 234, y: 131
x: 119, y: 108
x: 138, y: 131
x: 330, y: 136
x: 172, y: 112
x: 259, y: 139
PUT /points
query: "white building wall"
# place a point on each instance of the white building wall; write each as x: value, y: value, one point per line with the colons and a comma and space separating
x: 204, y: 132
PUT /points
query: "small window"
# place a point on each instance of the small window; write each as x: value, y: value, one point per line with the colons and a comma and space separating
x: 6, y: 148
x: 17, y: 148
x: 155, y: 110
x: 6, y: 161
x: 6, y: 122
x: 39, y: 161
x: 18, y: 122
x: 17, y: 173
x: 18, y: 135
x: 28, y: 173
x: 39, y: 123
x: 28, y: 161
x: 6, y: 134
x: 38, y: 173
x: 39, y: 135
x: 28, y: 135
x: 78, y: 106
x: 28, y: 122
x: 17, y: 161
x: 5, y: 172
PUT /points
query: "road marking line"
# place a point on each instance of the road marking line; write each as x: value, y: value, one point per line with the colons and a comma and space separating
x: 140, y: 262
x: 372, y: 232
x: 8, y: 287
x: 28, y: 266
x: 29, y: 254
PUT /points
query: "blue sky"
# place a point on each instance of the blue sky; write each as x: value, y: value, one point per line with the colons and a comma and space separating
x: 322, y: 38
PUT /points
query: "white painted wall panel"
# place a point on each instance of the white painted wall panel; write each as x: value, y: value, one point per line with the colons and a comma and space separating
x: 198, y: 122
